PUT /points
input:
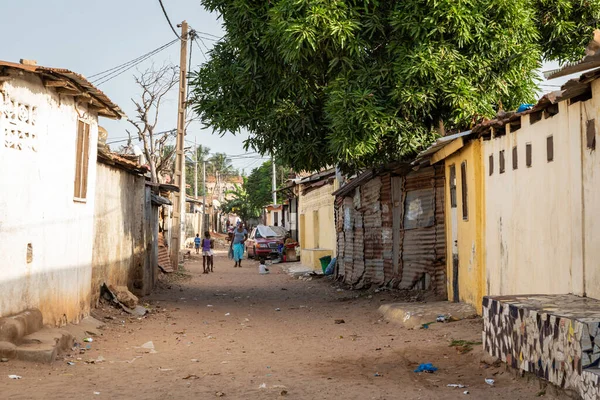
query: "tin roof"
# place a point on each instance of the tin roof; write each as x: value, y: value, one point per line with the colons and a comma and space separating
x: 72, y: 83
x: 128, y: 163
x: 571, y: 89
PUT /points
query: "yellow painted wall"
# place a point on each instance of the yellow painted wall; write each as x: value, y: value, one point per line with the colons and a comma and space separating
x: 317, y: 225
x: 470, y: 231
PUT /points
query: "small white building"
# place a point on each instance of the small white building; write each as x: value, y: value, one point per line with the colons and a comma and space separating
x: 48, y: 140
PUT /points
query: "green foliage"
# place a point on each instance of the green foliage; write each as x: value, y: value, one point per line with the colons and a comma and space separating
x: 221, y: 164
x: 360, y: 82
x: 259, y: 185
x: 256, y: 191
x: 202, y: 153
x: 241, y: 203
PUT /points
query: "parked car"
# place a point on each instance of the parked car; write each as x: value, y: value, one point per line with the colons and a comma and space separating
x: 267, y: 245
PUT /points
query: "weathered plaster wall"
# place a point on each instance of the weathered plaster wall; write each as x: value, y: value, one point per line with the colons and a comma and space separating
x: 534, y: 214
x: 37, y: 206
x: 317, y: 227
x: 468, y: 239
x: 591, y: 193
x: 119, y: 232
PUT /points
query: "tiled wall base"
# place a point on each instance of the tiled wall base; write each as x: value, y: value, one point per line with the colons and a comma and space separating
x: 555, y: 337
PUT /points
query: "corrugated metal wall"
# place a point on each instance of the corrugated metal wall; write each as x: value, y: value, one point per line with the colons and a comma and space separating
x: 391, y: 232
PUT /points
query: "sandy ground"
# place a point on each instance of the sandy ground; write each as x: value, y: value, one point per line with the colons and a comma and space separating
x: 240, y: 335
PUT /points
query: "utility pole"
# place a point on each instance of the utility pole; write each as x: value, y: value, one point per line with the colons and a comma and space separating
x: 274, y: 180
x: 204, y: 221
x: 195, y: 170
x: 179, y: 203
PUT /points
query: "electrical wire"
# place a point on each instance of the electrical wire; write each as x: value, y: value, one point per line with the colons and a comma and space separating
x: 121, y: 70
x: 205, y: 46
x: 210, y: 34
x: 130, y: 61
x: 200, y: 48
x: 168, y: 20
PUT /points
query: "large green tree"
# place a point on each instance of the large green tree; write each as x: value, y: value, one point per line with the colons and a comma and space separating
x: 359, y: 82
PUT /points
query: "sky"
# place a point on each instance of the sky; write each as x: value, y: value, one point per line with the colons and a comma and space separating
x: 88, y: 37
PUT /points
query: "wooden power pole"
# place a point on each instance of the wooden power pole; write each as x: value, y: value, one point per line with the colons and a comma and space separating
x: 179, y: 203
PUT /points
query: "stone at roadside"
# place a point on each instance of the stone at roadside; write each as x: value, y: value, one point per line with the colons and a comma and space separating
x: 124, y: 296
x: 415, y: 315
x: 4, y: 359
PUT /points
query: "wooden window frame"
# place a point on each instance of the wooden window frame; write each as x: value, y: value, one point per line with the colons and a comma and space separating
x: 463, y: 191
x: 502, y: 162
x: 453, y: 199
x: 550, y: 148
x: 491, y: 164
x: 82, y: 161
x: 528, y: 155
x: 515, y: 158
x: 590, y: 134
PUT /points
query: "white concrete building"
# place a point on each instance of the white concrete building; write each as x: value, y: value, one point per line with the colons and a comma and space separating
x: 48, y: 139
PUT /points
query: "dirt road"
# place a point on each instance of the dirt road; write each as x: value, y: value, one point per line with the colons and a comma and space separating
x: 243, y: 335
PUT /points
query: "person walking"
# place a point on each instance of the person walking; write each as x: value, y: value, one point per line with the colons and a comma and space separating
x: 207, y: 253
x: 197, y: 241
x: 240, y: 235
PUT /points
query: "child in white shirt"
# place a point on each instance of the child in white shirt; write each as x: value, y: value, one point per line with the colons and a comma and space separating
x: 262, y: 267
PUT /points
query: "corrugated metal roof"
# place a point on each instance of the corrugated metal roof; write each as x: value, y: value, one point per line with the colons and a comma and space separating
x: 586, y: 63
x: 159, y: 200
x: 438, y: 145
x: 118, y: 160
x: 72, y: 81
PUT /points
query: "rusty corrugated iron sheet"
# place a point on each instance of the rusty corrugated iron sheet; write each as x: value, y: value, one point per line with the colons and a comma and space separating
x: 367, y: 243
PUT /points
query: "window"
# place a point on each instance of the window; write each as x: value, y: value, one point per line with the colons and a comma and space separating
x: 551, y: 111
x: 535, y: 117
x: 463, y: 182
x: 590, y: 133
x: 419, y: 209
x: 275, y: 218
x: 550, y: 148
x: 491, y: 167
x: 501, y: 160
x: 452, y: 186
x: 528, y: 154
x: 515, y: 161
x: 81, y: 160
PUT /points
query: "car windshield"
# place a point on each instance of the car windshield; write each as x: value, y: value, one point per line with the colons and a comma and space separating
x: 279, y: 230
x: 257, y: 234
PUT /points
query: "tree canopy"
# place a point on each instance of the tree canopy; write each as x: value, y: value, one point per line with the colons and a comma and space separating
x: 359, y: 82
x: 241, y: 204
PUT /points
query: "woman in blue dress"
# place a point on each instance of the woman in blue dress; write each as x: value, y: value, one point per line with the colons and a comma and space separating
x: 239, y: 237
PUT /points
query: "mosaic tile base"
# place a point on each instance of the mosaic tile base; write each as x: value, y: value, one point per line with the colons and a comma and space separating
x: 556, y: 337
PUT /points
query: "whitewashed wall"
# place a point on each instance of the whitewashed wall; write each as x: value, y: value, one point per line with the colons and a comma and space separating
x: 37, y: 206
x: 120, y: 232
x: 591, y: 195
x: 543, y: 222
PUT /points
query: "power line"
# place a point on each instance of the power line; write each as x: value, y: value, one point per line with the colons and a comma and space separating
x: 205, y: 46
x: 168, y: 20
x: 130, y: 61
x: 210, y: 34
x: 200, y: 48
x: 121, y: 70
